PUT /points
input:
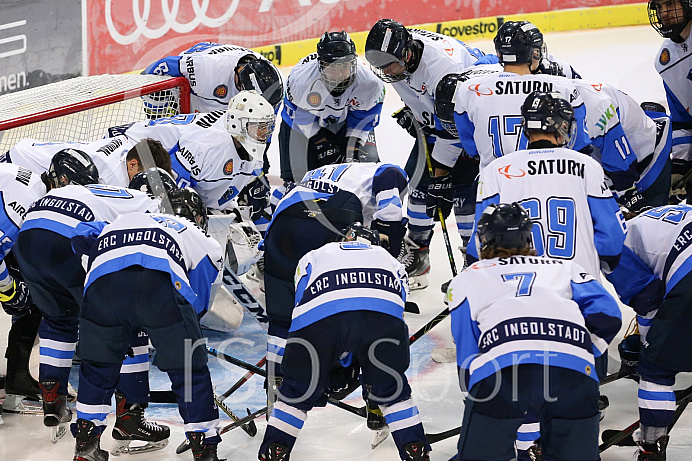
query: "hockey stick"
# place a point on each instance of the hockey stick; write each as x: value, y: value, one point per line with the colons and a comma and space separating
x: 434, y: 438
x: 612, y: 437
x: 362, y: 412
x: 250, y: 428
x: 243, y: 380
x: 428, y: 326
x: 185, y: 445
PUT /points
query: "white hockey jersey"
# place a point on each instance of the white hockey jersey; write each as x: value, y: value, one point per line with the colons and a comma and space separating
x: 380, y: 188
x: 203, y: 155
x: 348, y: 276
x: 529, y: 309
x: 674, y: 64
x: 658, y: 244
x: 210, y: 69
x: 154, y: 241
x: 108, y: 155
x: 62, y: 209
x: 564, y: 192
x: 487, y: 112
x: 309, y: 106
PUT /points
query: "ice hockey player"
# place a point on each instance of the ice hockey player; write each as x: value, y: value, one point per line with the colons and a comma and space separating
x: 333, y: 103
x: 344, y: 288
x: 216, y: 73
x: 414, y: 61
x: 55, y: 277
x: 326, y: 201
x: 20, y: 188
x: 547, y: 311
x: 672, y: 19
x: 117, y: 159
x: 654, y: 278
x: 135, y: 283
x: 217, y: 153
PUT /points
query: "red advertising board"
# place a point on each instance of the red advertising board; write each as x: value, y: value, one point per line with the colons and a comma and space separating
x: 125, y: 35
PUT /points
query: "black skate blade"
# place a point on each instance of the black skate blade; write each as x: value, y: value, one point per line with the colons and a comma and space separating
x: 183, y: 447
x: 251, y: 426
x: 610, y: 433
x: 411, y: 308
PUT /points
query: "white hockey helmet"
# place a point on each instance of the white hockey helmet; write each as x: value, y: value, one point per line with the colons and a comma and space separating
x: 250, y: 119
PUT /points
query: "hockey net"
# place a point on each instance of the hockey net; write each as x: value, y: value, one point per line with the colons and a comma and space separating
x: 83, y: 108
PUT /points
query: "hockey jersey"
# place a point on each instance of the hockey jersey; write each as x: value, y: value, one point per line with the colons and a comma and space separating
x: 108, y: 155
x: 380, y: 188
x: 154, y: 241
x: 210, y: 69
x: 19, y: 188
x: 203, y: 155
x: 658, y: 245
x: 61, y: 210
x: 309, y: 106
x: 487, y: 112
x: 348, y: 276
x: 529, y: 309
x: 674, y: 64
x: 564, y: 192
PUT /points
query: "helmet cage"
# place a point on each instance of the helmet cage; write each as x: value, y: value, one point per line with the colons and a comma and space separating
x: 250, y: 119
x: 386, y: 44
x: 339, y: 74
x: 678, y: 14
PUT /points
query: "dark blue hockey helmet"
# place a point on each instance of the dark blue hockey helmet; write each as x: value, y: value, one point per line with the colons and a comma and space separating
x: 549, y: 113
x: 142, y: 181
x: 72, y: 166
x: 670, y: 17
x: 336, y: 54
x: 360, y: 233
x: 505, y: 226
x: 262, y: 76
x: 187, y: 203
x: 518, y: 42
x: 387, y: 43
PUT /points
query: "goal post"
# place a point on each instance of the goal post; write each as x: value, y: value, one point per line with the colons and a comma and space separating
x: 82, y: 109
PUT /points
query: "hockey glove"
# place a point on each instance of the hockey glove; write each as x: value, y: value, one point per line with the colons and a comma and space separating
x: 634, y: 202
x: 354, y: 150
x: 440, y: 197
x: 16, y: 299
x: 255, y: 196
x: 391, y: 234
x: 325, y: 150
x: 404, y: 117
x: 629, y: 349
x: 343, y: 379
x: 550, y: 68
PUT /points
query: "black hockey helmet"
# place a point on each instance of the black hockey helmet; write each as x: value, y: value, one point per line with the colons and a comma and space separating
x: 187, y: 203
x: 359, y: 233
x: 386, y: 44
x: 142, y: 181
x: 72, y: 166
x: 669, y: 17
x: 518, y: 42
x: 550, y: 113
x: 336, y: 54
x: 505, y: 226
x: 262, y: 76
x: 445, y: 95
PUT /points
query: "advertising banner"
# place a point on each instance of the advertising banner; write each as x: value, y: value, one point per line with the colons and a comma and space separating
x: 126, y: 35
x: 40, y: 42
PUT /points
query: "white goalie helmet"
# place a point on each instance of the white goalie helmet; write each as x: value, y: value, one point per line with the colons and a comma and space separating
x: 250, y: 119
x: 241, y: 247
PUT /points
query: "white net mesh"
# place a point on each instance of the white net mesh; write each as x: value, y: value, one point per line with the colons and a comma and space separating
x: 83, y: 108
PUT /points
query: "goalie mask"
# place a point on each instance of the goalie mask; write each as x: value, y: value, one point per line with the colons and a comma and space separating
x: 670, y: 17
x: 250, y: 120
x: 359, y: 233
x: 72, y: 166
x: 241, y: 247
x: 336, y: 54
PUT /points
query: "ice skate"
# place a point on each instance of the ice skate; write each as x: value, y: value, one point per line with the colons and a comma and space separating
x: 535, y: 453
x: 655, y: 451
x: 417, y: 262
x: 416, y: 451
x: 256, y: 273
x: 87, y: 446
x: 200, y: 451
x: 276, y: 453
x: 15, y: 403
x: 378, y: 426
x: 56, y: 415
x: 130, y: 425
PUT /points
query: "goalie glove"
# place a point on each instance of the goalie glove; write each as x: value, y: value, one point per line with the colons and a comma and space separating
x: 440, y: 197
x: 15, y: 299
x: 255, y: 197
x: 404, y: 117
x: 391, y: 234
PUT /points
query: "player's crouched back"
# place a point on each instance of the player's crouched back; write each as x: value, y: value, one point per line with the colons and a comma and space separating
x: 540, y: 320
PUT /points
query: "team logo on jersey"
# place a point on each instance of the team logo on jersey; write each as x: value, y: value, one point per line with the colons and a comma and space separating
x: 477, y: 89
x: 482, y: 265
x: 221, y: 91
x: 314, y: 99
x: 597, y: 86
x: 509, y: 175
x: 448, y: 48
x: 665, y: 57
x: 228, y: 167
x: 178, y: 286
